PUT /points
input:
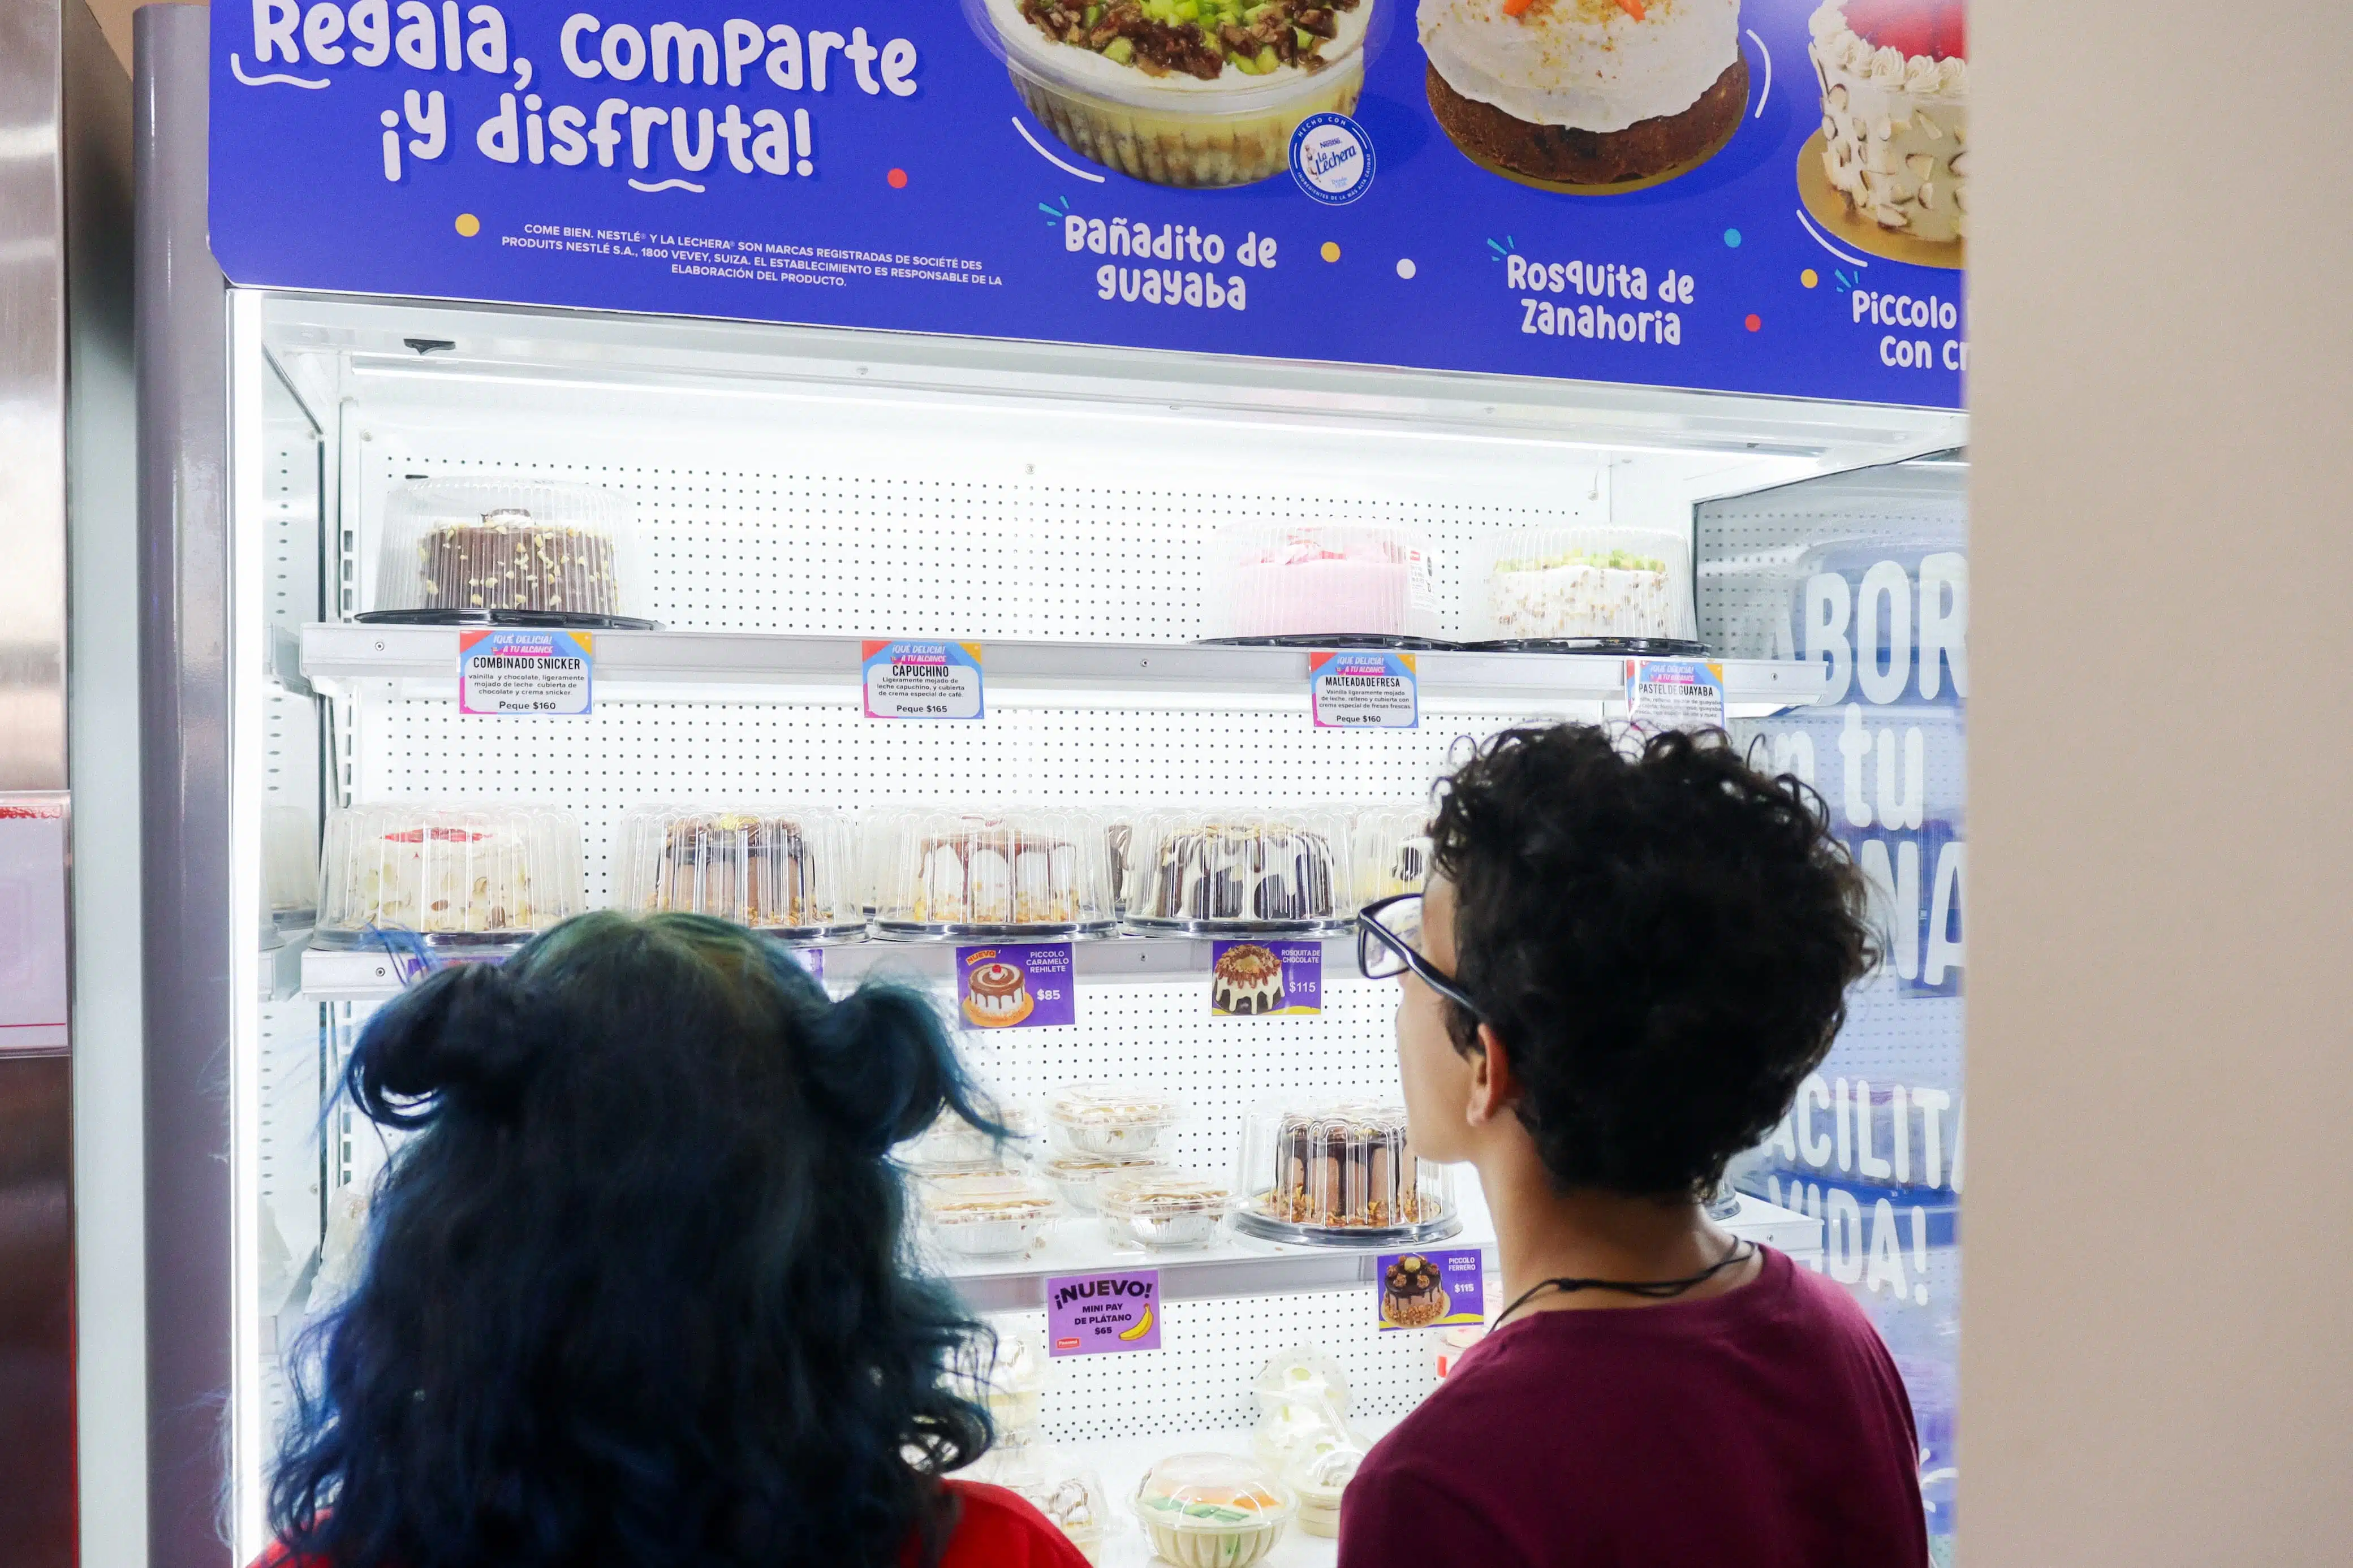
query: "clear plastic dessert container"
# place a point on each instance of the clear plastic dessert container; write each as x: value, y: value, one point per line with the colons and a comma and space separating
x: 1339, y: 1175
x: 1075, y: 1177
x: 941, y: 875
x: 951, y: 1145
x: 1064, y: 1491
x: 454, y: 551
x: 1161, y: 1214
x: 1215, y: 870
x: 1303, y: 1397
x: 1173, y: 127
x: 787, y: 871
x: 991, y: 1214
x: 1212, y: 1510
x: 1391, y: 848
x: 1008, y: 1381
x: 290, y: 871
x: 1310, y: 581
x: 1319, y: 1477
x: 1109, y: 1121
x: 461, y: 877
x: 1575, y: 583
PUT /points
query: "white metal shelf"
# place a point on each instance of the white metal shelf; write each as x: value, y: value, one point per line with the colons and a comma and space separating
x: 1244, y: 1266
x: 374, y: 975
x: 421, y: 662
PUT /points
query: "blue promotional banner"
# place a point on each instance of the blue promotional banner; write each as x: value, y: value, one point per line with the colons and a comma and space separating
x: 1765, y: 198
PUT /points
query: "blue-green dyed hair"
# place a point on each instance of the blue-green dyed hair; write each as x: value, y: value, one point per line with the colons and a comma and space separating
x: 637, y: 1291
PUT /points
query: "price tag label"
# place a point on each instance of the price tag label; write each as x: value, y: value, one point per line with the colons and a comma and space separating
x: 811, y: 959
x: 1022, y: 986
x: 1674, y: 694
x: 508, y: 671
x: 1097, y: 1314
x: 1265, y: 979
x: 1422, y: 1289
x: 922, y: 680
x: 1368, y: 689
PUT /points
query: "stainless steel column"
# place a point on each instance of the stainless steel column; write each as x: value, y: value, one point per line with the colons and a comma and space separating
x: 185, y: 704
x: 63, y: 205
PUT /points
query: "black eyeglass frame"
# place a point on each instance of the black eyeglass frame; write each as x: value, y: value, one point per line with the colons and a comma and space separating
x: 1369, y: 930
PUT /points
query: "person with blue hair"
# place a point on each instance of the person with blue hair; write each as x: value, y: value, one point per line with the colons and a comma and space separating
x: 637, y: 1291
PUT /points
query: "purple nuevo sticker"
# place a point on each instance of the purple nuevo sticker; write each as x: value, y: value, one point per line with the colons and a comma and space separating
x: 1253, y: 979
x: 1422, y: 1288
x: 1091, y: 1314
x: 1016, y: 985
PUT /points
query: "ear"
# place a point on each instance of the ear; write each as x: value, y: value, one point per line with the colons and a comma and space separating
x: 1492, y: 1085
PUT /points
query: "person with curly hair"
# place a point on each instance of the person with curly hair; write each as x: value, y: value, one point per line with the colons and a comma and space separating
x: 637, y: 1290
x: 1624, y: 965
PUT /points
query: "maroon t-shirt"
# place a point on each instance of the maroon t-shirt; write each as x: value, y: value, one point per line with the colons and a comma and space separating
x: 1764, y: 1426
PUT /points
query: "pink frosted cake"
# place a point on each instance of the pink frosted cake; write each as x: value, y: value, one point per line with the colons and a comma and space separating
x: 1327, y: 580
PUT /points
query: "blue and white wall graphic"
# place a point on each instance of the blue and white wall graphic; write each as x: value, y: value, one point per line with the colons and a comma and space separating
x: 1868, y: 574
x: 831, y: 162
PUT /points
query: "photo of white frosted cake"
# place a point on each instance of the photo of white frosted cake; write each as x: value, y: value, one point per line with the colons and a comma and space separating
x: 1894, y: 80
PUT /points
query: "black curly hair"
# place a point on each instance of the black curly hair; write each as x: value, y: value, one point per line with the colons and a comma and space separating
x: 1665, y: 941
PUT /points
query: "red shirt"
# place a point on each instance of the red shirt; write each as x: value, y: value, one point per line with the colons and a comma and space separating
x: 995, y: 1529
x: 1764, y: 1426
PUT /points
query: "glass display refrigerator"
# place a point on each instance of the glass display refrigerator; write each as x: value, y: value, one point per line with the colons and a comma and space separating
x: 762, y: 551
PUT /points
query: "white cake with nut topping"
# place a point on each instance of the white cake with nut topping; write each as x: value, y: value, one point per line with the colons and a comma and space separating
x: 1894, y: 83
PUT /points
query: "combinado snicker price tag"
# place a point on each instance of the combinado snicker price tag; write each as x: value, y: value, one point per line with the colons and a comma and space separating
x: 508, y: 672
x: 922, y: 680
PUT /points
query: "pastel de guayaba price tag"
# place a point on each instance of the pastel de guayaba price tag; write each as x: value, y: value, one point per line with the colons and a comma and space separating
x: 511, y: 672
x: 1368, y: 690
x: 922, y: 680
x: 1674, y: 694
x: 1096, y: 1314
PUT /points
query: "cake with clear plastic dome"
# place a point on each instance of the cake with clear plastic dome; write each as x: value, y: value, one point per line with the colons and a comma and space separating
x: 1237, y: 871
x: 470, y: 875
x: 783, y: 870
x: 470, y: 549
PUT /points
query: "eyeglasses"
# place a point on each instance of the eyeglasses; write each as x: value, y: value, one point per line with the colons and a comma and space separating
x: 1388, y: 943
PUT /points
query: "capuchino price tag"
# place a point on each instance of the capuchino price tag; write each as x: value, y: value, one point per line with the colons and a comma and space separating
x: 923, y: 680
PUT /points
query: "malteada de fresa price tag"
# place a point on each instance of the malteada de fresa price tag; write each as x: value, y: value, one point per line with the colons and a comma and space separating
x: 922, y: 680
x: 1096, y: 1314
x: 513, y: 672
x: 1364, y: 689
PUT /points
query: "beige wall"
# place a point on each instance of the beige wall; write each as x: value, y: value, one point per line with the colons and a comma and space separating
x: 114, y: 16
x: 2157, y: 1344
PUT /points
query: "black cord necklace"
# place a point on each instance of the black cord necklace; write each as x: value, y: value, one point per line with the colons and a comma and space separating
x: 1653, y: 1289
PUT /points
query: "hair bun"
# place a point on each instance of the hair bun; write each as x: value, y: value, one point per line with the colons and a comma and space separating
x: 889, y: 1068
x: 463, y: 1035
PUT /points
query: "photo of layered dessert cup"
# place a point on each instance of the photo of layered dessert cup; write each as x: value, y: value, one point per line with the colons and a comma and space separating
x: 996, y: 996
x: 1889, y: 170
x: 1411, y: 1296
x: 1247, y: 980
x: 1199, y: 93
x: 1586, y: 96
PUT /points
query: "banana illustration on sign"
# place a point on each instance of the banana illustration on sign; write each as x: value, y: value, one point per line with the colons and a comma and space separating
x: 1142, y: 1326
